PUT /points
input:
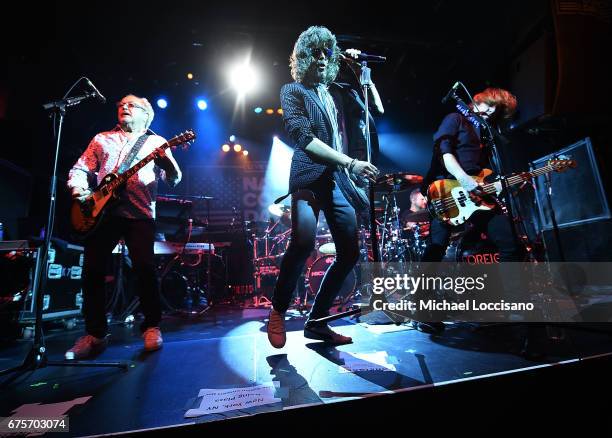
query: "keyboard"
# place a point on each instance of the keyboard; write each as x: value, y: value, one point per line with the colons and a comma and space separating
x: 166, y: 248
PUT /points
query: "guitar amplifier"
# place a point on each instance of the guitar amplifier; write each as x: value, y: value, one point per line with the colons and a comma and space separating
x: 577, y: 196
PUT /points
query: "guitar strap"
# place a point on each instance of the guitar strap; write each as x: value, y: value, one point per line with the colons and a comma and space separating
x: 127, y: 161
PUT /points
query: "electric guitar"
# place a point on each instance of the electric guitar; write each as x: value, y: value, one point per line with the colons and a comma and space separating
x: 452, y: 204
x: 85, y: 216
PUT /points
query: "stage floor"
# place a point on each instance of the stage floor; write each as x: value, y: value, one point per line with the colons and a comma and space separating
x: 227, y: 348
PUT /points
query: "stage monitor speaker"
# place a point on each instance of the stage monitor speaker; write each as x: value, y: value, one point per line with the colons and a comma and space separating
x: 577, y: 195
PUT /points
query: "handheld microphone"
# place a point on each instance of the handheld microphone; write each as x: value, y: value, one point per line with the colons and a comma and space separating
x: 451, y: 92
x: 99, y: 97
x: 361, y: 56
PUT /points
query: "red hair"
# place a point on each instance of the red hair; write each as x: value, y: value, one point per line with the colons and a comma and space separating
x: 500, y: 98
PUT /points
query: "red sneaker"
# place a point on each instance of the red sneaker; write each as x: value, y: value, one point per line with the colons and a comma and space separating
x: 277, y: 335
x: 86, y: 346
x: 152, y: 339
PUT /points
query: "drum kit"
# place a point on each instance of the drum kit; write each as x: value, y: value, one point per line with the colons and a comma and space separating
x: 401, y: 237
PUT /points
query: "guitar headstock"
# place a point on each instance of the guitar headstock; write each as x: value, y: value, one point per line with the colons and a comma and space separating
x: 562, y: 164
x: 184, y: 139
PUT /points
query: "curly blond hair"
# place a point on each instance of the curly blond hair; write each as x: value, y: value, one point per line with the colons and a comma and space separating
x: 315, y: 37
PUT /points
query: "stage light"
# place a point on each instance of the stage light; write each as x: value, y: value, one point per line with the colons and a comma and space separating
x: 258, y: 110
x: 237, y: 148
x: 245, y: 152
x: 202, y: 104
x: 243, y: 78
x: 190, y: 76
x: 269, y: 111
x: 232, y: 138
x: 277, y: 171
x: 279, y: 111
x: 225, y: 148
x: 162, y: 103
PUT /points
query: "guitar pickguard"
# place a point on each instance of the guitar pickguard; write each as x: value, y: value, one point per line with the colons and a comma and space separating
x: 465, y: 205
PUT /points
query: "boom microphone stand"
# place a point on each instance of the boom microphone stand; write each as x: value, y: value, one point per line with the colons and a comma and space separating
x: 37, y: 356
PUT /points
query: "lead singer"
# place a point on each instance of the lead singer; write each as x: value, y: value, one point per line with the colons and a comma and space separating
x: 324, y: 121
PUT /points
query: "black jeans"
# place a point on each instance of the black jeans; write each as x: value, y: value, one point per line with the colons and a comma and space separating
x: 139, y: 237
x: 305, y: 207
x: 498, y: 229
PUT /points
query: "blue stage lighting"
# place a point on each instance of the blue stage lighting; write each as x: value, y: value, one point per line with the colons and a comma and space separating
x: 202, y: 104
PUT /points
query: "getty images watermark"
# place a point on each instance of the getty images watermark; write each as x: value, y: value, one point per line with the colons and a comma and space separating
x: 497, y: 292
x: 410, y: 285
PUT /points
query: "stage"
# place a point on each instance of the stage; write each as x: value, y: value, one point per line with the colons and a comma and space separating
x: 387, y: 366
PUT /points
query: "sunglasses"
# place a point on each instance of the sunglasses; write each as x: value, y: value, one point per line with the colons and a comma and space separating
x: 318, y: 50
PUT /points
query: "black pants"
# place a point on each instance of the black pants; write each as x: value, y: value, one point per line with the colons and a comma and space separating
x: 139, y: 237
x: 497, y: 226
x: 499, y: 231
x: 305, y: 207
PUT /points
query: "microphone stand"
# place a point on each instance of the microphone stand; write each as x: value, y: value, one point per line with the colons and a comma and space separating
x: 495, y: 160
x: 364, y: 80
x: 208, y: 258
x: 37, y: 356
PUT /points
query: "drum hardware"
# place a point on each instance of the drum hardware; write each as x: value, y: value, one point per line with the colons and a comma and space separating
x: 269, y: 244
x: 283, y: 212
x: 397, y: 182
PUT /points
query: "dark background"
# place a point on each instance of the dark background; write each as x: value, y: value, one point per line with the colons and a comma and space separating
x: 551, y: 54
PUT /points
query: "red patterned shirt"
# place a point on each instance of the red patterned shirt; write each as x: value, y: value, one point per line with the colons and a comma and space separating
x: 104, y: 155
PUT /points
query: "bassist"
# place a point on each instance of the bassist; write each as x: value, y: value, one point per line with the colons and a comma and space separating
x: 458, y: 153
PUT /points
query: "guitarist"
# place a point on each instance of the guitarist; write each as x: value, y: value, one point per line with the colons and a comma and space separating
x: 132, y: 218
x: 459, y: 153
x: 324, y: 122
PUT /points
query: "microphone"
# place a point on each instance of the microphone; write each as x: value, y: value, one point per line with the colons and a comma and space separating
x: 361, y: 56
x: 451, y: 92
x: 99, y: 97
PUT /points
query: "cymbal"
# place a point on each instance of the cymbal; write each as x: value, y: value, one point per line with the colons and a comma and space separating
x: 397, y: 182
x: 417, y: 216
x: 278, y: 209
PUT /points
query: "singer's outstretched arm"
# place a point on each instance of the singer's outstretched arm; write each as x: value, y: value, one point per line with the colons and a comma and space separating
x: 376, y: 99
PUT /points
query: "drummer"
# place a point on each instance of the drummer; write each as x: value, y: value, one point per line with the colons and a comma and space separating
x: 418, y: 202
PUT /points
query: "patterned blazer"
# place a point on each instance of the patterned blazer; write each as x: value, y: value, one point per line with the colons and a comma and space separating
x: 305, y: 117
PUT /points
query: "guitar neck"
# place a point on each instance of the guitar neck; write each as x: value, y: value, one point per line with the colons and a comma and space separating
x: 520, y: 178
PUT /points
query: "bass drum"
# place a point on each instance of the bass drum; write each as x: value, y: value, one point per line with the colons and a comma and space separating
x: 316, y: 272
x: 174, y: 289
x: 472, y: 247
